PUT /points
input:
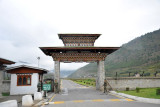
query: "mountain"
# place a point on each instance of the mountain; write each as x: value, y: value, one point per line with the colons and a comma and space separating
x: 137, y: 56
x: 63, y: 74
x: 66, y: 73
x: 49, y: 75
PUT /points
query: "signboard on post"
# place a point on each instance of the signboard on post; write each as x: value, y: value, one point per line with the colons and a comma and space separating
x: 46, y: 87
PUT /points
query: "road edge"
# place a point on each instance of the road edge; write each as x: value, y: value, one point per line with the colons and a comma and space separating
x: 140, y: 99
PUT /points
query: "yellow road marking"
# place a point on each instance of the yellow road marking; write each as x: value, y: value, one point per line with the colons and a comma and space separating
x: 58, y: 102
x: 52, y: 98
x: 78, y: 101
x: 129, y: 99
x: 115, y: 99
x: 97, y: 100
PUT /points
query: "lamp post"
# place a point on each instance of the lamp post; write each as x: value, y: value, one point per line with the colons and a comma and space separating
x: 38, y: 60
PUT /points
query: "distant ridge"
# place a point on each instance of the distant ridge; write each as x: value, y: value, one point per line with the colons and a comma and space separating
x: 137, y: 56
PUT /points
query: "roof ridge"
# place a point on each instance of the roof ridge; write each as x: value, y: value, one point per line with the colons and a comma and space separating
x: 32, y: 67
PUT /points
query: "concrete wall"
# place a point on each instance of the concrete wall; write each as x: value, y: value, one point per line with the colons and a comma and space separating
x: 16, y: 90
x: 6, y: 86
x: 1, y: 79
x: 132, y: 83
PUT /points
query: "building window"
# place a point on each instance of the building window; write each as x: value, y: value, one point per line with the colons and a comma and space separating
x: 19, y: 81
x: 28, y: 80
x: 6, y: 76
x: 23, y: 80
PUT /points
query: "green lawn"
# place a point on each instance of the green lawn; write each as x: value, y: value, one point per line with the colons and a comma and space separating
x: 144, y: 92
x: 86, y: 82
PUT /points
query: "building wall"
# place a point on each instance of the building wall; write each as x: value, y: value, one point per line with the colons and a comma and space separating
x: 132, y: 83
x: 16, y: 90
x: 1, y: 80
x: 6, y: 86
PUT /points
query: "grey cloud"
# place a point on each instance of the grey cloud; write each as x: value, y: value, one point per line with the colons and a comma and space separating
x: 27, y: 25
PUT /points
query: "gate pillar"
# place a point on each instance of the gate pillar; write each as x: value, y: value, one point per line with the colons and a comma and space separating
x: 57, y: 72
x: 100, y: 75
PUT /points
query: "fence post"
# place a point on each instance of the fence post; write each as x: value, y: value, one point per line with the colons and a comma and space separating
x: 116, y: 75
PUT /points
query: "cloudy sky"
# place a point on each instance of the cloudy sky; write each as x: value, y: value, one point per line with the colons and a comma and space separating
x: 26, y: 25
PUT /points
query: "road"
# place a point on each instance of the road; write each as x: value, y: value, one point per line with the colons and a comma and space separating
x: 75, y: 95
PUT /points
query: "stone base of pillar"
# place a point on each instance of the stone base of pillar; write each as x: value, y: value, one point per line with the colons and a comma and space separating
x: 100, y: 75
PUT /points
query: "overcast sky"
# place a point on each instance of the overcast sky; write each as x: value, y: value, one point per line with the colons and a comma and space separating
x: 26, y: 25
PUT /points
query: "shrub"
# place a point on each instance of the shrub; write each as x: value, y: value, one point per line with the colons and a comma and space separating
x: 137, y: 89
x: 158, y: 91
x: 127, y: 88
x: 5, y: 93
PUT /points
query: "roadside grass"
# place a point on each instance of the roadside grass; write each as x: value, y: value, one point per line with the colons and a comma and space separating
x: 5, y: 93
x: 86, y: 82
x: 143, y: 92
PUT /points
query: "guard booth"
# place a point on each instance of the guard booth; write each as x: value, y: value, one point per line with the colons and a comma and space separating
x: 24, y: 79
x: 50, y: 81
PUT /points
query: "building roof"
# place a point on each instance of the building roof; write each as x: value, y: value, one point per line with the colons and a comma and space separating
x: 9, y: 70
x: 5, y: 61
x: 50, y: 50
x: 78, y: 35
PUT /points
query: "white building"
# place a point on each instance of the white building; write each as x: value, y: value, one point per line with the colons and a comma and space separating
x: 4, y: 85
x: 24, y: 79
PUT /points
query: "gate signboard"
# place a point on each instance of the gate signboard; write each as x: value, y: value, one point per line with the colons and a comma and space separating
x: 46, y: 87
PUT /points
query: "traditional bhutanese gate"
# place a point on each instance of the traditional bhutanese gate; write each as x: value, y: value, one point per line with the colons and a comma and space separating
x: 79, y: 48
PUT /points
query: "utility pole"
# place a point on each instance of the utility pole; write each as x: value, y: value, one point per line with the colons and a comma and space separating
x: 38, y: 60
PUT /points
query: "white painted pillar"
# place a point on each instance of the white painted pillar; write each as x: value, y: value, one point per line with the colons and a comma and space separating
x: 57, y: 72
x: 100, y: 75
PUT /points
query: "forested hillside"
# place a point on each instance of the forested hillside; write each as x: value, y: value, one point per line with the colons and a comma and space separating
x: 139, y: 55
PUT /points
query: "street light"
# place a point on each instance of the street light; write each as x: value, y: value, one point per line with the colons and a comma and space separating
x: 38, y: 60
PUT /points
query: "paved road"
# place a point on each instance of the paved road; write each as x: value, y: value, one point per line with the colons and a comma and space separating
x: 75, y: 95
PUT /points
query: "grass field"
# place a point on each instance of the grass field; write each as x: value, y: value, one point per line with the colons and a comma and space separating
x: 86, y: 82
x: 144, y: 92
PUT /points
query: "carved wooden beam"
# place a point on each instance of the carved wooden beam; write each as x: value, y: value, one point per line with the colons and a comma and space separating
x: 78, y: 57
